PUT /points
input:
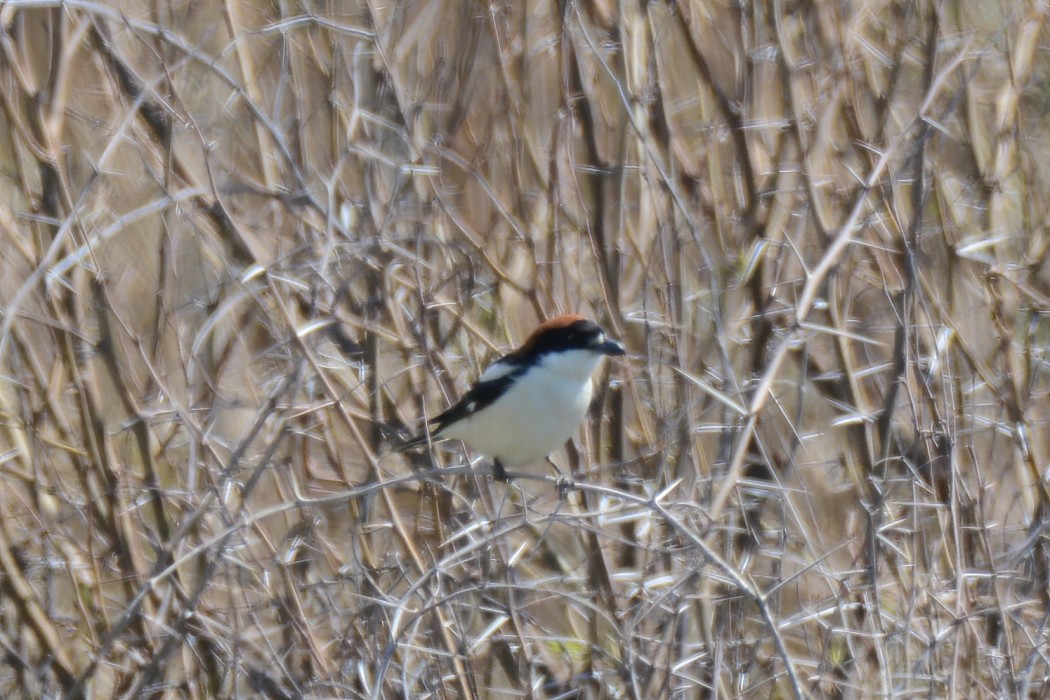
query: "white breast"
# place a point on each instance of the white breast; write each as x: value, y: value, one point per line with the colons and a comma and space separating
x: 538, y: 414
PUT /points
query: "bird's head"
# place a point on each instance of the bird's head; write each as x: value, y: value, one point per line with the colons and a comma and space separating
x: 569, y: 344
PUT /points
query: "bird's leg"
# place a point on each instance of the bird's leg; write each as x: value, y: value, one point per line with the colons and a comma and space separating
x: 562, y: 483
x: 498, y: 472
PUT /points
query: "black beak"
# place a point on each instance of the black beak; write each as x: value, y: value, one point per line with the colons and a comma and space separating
x: 611, y: 348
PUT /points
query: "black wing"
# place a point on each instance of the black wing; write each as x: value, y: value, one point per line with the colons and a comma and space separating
x: 480, y: 396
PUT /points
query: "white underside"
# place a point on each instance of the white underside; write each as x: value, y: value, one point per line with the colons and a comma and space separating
x: 539, y: 413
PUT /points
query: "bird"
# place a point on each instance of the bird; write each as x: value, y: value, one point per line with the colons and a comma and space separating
x: 530, y: 401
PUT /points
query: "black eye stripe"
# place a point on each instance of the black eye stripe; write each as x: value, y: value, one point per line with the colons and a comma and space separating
x: 580, y: 334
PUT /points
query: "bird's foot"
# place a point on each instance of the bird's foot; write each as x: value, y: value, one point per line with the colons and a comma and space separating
x: 564, y: 485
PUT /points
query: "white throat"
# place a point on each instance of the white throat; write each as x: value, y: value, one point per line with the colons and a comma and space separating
x: 573, y: 365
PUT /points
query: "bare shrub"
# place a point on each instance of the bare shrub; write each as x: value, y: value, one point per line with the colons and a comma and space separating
x: 247, y: 246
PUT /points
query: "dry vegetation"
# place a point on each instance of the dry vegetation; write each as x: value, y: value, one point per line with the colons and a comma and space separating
x: 246, y: 245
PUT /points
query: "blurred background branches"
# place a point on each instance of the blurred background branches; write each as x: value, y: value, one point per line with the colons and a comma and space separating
x: 247, y: 246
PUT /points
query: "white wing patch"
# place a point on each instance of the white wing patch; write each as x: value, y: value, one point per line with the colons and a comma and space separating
x: 496, y: 370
